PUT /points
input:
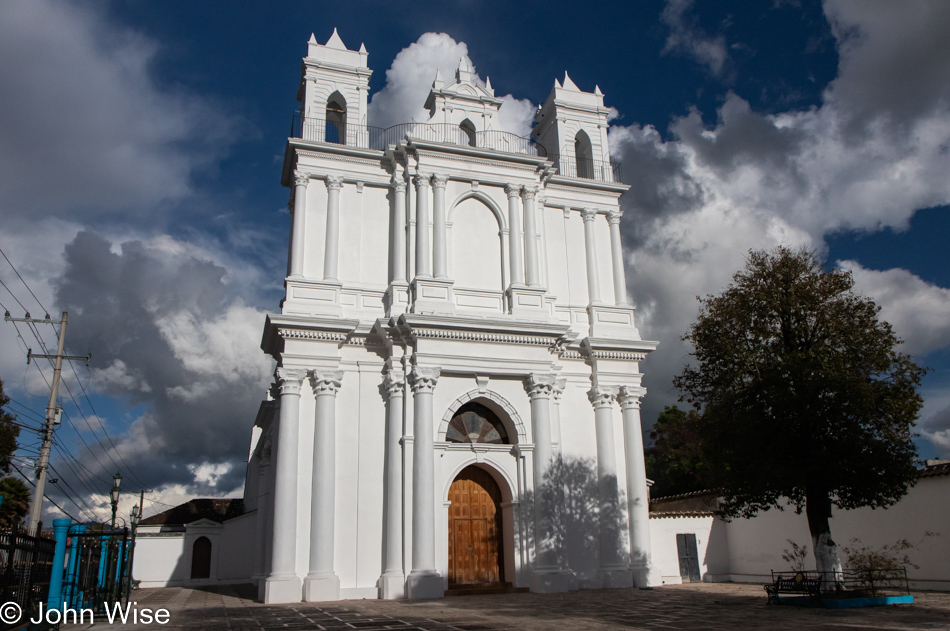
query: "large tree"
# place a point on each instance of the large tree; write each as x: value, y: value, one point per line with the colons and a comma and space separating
x: 803, y: 394
x: 675, y: 461
x: 8, y: 433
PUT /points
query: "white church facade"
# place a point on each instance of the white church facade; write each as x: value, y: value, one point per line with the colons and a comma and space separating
x: 458, y: 383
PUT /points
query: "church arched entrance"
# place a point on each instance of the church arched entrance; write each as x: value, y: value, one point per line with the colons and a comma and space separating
x: 475, y: 529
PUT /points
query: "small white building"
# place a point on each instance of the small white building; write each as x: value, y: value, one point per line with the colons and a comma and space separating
x: 456, y: 341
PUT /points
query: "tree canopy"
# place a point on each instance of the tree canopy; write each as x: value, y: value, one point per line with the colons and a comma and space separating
x: 16, y: 501
x: 8, y: 433
x: 675, y: 461
x: 802, y: 393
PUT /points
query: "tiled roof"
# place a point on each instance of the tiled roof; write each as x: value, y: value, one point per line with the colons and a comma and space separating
x: 670, y: 498
x: 686, y: 513
x: 936, y: 470
x: 218, y: 510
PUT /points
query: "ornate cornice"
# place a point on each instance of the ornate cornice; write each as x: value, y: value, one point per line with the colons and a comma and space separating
x: 570, y: 355
x: 622, y: 355
x: 326, y: 381
x: 477, y: 336
x: 309, y: 334
x: 336, y: 158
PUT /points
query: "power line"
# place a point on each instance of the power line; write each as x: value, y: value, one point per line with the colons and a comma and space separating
x: 45, y: 310
x: 63, y: 510
x: 14, y: 296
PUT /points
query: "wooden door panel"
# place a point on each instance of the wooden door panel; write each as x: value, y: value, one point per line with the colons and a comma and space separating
x: 474, y: 528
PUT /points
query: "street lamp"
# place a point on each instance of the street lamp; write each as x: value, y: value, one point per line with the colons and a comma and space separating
x: 114, y: 495
x: 134, y: 518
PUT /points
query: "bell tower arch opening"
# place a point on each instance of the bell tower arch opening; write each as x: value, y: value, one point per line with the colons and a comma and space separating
x: 467, y: 137
x: 584, y: 155
x: 336, y: 119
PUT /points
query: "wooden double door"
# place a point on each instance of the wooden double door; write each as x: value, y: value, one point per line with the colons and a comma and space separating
x: 475, y: 531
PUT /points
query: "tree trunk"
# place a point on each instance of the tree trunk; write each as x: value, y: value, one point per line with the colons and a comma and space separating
x: 818, y: 510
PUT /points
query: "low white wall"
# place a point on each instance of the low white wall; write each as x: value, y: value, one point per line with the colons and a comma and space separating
x: 159, y: 558
x: 756, y: 545
x: 238, y: 548
x: 663, y: 531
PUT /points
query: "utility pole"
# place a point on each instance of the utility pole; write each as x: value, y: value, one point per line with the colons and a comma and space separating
x: 52, y: 411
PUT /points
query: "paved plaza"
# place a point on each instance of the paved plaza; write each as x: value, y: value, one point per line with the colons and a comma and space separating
x: 698, y: 606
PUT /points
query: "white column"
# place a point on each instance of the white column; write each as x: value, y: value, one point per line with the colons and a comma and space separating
x: 438, y: 225
x: 424, y: 579
x: 331, y: 254
x: 392, y: 583
x: 559, y: 387
x: 322, y: 583
x: 590, y: 247
x: 514, y: 234
x: 530, y: 236
x: 613, y: 571
x: 298, y: 223
x: 263, y: 494
x: 399, y: 230
x: 422, y: 226
x: 638, y: 508
x: 540, y: 388
x: 616, y: 258
x: 283, y: 585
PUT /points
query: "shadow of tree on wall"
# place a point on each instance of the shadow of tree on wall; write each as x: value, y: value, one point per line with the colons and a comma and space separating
x: 579, y: 510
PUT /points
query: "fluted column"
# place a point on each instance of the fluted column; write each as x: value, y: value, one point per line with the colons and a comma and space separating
x: 422, y: 226
x: 616, y: 258
x: 590, y: 248
x: 283, y: 585
x: 399, y: 230
x: 638, y: 508
x: 322, y: 583
x: 530, y: 235
x: 392, y: 583
x: 438, y: 225
x: 613, y: 571
x: 424, y: 579
x: 331, y: 253
x: 515, y: 241
x: 298, y: 224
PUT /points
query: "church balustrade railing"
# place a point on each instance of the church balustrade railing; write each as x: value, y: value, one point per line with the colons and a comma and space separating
x: 365, y: 136
x: 587, y: 169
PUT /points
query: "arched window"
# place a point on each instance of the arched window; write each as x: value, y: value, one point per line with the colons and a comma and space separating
x: 201, y: 558
x: 584, y: 154
x: 336, y: 119
x: 468, y: 132
x: 475, y: 423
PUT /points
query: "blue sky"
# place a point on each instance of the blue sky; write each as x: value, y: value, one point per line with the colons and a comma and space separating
x: 142, y: 145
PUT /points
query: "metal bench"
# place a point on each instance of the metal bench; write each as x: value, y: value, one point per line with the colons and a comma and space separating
x: 796, y: 585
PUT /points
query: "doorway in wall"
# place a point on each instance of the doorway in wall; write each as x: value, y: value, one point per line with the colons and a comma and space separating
x: 201, y: 558
x: 475, y: 530
x: 689, y: 557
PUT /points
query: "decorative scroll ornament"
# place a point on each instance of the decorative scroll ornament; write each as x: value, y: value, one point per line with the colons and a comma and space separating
x: 529, y: 192
x: 602, y: 396
x: 614, y: 215
x: 424, y: 380
x: 290, y: 379
x: 399, y: 185
x: 559, y: 387
x: 334, y: 182
x: 326, y: 382
x: 301, y: 178
x: 540, y: 386
x: 513, y: 190
x: 421, y: 180
x: 629, y: 396
x: 589, y: 214
x: 395, y: 383
x: 439, y: 180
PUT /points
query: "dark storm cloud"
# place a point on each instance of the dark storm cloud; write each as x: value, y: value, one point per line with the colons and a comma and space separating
x: 167, y: 332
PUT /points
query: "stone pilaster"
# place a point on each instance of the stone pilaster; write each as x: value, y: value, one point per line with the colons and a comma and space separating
x: 392, y: 582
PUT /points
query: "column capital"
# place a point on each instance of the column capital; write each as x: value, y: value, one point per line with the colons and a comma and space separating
x: 513, y: 190
x: 421, y: 180
x: 559, y: 387
x: 613, y: 216
x: 540, y: 385
x: 439, y: 180
x: 326, y: 381
x: 602, y: 396
x: 629, y: 396
x: 394, y: 382
x: 589, y: 214
x: 540, y: 201
x: 334, y: 182
x: 399, y: 185
x: 529, y: 192
x: 290, y: 379
x: 301, y: 178
x: 424, y: 379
